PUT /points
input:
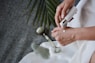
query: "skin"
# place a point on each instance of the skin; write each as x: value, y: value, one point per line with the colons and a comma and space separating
x: 61, y: 10
x: 64, y: 37
x: 92, y: 58
x: 71, y: 34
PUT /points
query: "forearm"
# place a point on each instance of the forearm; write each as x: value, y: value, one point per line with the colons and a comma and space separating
x: 86, y: 33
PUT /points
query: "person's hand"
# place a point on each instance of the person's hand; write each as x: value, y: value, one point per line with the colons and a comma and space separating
x: 62, y: 9
x: 63, y: 37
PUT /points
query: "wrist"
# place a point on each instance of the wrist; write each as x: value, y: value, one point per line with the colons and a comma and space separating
x: 79, y: 33
x: 74, y: 33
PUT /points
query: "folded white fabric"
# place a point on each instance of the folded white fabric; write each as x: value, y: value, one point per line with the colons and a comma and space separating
x: 70, y: 54
x: 65, y: 55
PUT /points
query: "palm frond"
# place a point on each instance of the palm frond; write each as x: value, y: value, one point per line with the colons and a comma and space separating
x: 45, y: 12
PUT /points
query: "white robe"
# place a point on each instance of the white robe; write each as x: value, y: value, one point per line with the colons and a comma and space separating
x: 78, y: 51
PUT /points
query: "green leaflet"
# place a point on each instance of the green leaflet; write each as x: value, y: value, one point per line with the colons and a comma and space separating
x: 45, y: 12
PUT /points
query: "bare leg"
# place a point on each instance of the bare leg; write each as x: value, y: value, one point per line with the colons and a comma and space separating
x: 92, y: 58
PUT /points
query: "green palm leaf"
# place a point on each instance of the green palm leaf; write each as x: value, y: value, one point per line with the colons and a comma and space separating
x: 45, y: 12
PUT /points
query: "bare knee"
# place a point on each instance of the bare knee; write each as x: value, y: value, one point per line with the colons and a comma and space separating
x: 92, y: 60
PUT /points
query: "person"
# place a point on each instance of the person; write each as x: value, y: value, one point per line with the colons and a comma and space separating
x: 78, y: 40
x: 86, y: 31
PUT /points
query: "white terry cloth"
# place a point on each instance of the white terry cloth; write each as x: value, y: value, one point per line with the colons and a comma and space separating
x: 78, y: 51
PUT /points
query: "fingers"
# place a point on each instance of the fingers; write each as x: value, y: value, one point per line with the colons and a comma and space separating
x: 57, y: 36
x: 64, y: 11
x: 54, y: 34
x: 58, y: 14
x: 61, y: 12
x: 56, y: 29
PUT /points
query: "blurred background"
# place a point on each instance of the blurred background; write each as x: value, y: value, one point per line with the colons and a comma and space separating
x: 16, y: 35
